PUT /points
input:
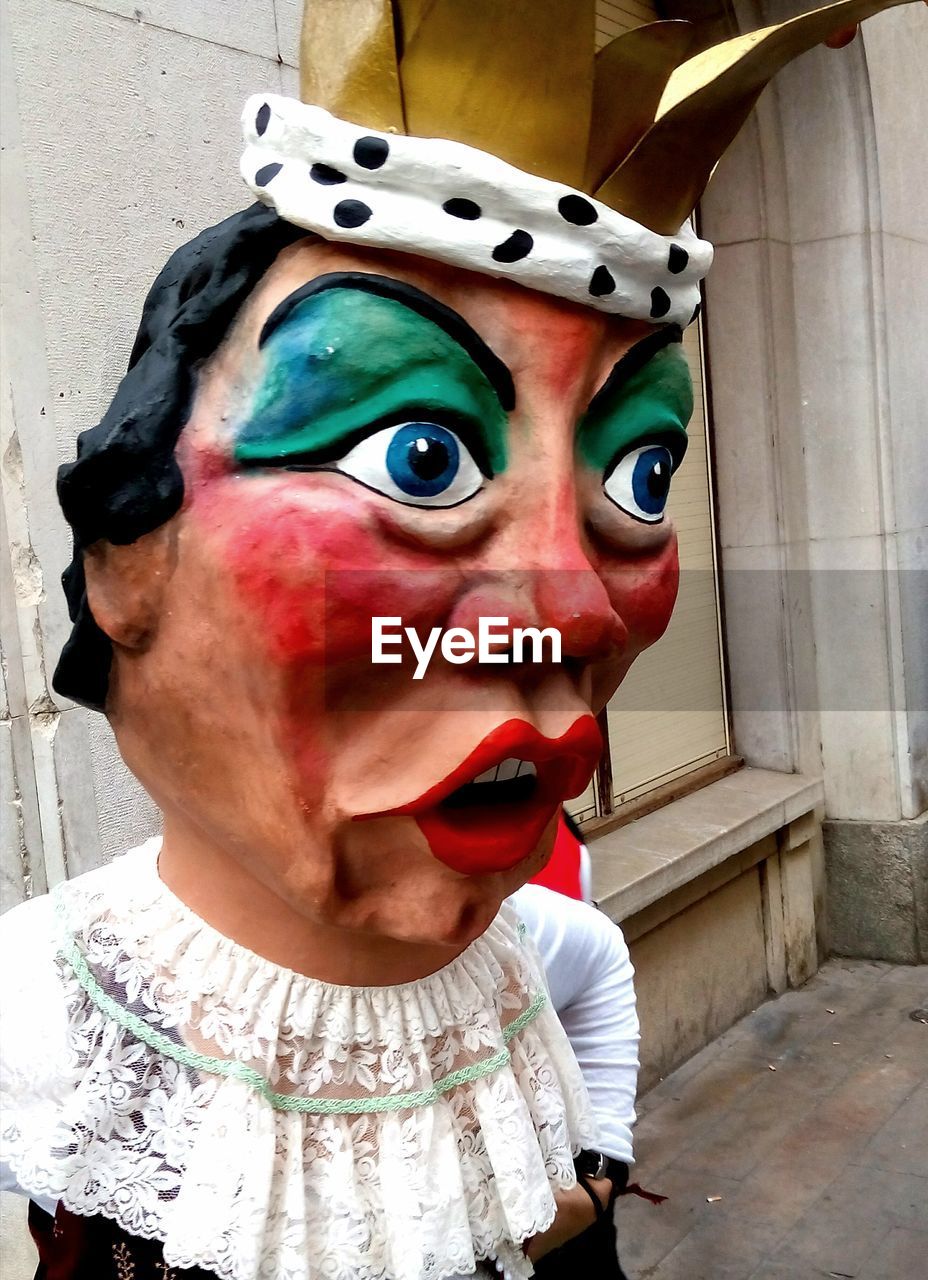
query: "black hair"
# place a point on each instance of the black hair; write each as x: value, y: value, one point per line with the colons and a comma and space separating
x: 125, y: 481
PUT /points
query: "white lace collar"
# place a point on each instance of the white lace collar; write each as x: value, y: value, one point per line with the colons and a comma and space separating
x: 266, y: 1126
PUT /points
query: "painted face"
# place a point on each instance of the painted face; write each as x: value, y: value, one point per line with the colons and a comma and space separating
x: 382, y: 437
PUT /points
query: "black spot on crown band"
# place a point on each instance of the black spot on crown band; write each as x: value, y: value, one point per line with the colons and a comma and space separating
x: 370, y: 152
x: 326, y: 176
x: 461, y: 207
x: 677, y: 259
x: 577, y: 210
x: 266, y: 173
x: 351, y: 213
x: 660, y: 303
x: 518, y: 246
x: 602, y: 282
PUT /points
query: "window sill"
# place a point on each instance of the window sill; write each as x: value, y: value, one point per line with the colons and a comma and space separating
x: 661, y: 852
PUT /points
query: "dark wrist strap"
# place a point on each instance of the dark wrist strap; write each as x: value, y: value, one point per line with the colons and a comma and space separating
x: 597, y: 1203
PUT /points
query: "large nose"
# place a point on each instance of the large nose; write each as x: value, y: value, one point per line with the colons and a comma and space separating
x: 574, y: 600
x: 567, y: 591
x: 541, y: 574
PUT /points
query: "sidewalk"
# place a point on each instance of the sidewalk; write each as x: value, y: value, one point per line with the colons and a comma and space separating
x: 796, y: 1145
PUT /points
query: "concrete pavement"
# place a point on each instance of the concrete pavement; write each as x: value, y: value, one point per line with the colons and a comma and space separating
x: 795, y: 1146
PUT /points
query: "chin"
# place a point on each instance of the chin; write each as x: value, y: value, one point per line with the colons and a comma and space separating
x: 490, y: 891
x: 431, y: 910
x: 459, y: 925
x: 456, y: 913
x: 452, y: 917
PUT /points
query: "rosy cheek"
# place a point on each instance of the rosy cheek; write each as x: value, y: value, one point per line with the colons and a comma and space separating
x: 643, y: 593
x: 312, y: 567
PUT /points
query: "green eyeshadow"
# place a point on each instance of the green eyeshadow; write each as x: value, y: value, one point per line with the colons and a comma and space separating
x: 344, y: 359
x: 655, y: 401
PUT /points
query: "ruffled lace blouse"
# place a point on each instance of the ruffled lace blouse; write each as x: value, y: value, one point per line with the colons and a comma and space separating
x: 267, y: 1126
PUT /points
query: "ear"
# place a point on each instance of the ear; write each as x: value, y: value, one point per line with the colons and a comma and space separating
x: 126, y: 585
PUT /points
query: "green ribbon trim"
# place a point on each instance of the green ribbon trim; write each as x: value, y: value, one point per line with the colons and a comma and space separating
x: 139, y: 1028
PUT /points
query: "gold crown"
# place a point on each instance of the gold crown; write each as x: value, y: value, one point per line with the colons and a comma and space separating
x: 640, y: 124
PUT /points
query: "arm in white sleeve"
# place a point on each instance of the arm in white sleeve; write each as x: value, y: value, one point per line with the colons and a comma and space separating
x: 591, y: 980
x: 33, y: 1025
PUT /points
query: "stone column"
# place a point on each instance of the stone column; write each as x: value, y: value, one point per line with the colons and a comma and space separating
x: 820, y: 217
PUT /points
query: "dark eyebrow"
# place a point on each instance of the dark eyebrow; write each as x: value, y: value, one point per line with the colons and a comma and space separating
x: 454, y: 325
x: 635, y: 358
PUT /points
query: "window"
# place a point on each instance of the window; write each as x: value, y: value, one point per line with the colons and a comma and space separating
x: 613, y: 17
x: 669, y: 718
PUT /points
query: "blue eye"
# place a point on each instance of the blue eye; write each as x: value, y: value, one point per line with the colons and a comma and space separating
x: 421, y: 464
x: 639, y: 483
x: 423, y: 460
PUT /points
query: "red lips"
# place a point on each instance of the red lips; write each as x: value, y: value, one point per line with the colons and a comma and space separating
x: 487, y: 838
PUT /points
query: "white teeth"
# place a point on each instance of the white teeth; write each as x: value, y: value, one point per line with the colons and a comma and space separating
x: 509, y: 769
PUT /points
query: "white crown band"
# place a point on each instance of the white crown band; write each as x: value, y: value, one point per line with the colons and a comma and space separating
x: 462, y: 206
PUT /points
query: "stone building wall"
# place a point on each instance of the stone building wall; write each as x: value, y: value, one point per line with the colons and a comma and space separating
x: 121, y: 139
x: 819, y: 214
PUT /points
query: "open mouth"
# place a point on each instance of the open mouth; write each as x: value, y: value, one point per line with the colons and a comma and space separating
x: 511, y: 782
x: 491, y: 812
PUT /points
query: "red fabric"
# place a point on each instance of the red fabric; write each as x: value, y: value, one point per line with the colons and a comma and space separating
x: 563, y: 870
x: 636, y: 1189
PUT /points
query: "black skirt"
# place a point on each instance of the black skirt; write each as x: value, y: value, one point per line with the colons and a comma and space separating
x: 593, y: 1255
x: 73, y: 1248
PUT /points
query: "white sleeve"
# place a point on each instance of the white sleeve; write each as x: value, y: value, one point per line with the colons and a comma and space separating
x: 33, y: 1020
x: 591, y: 981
